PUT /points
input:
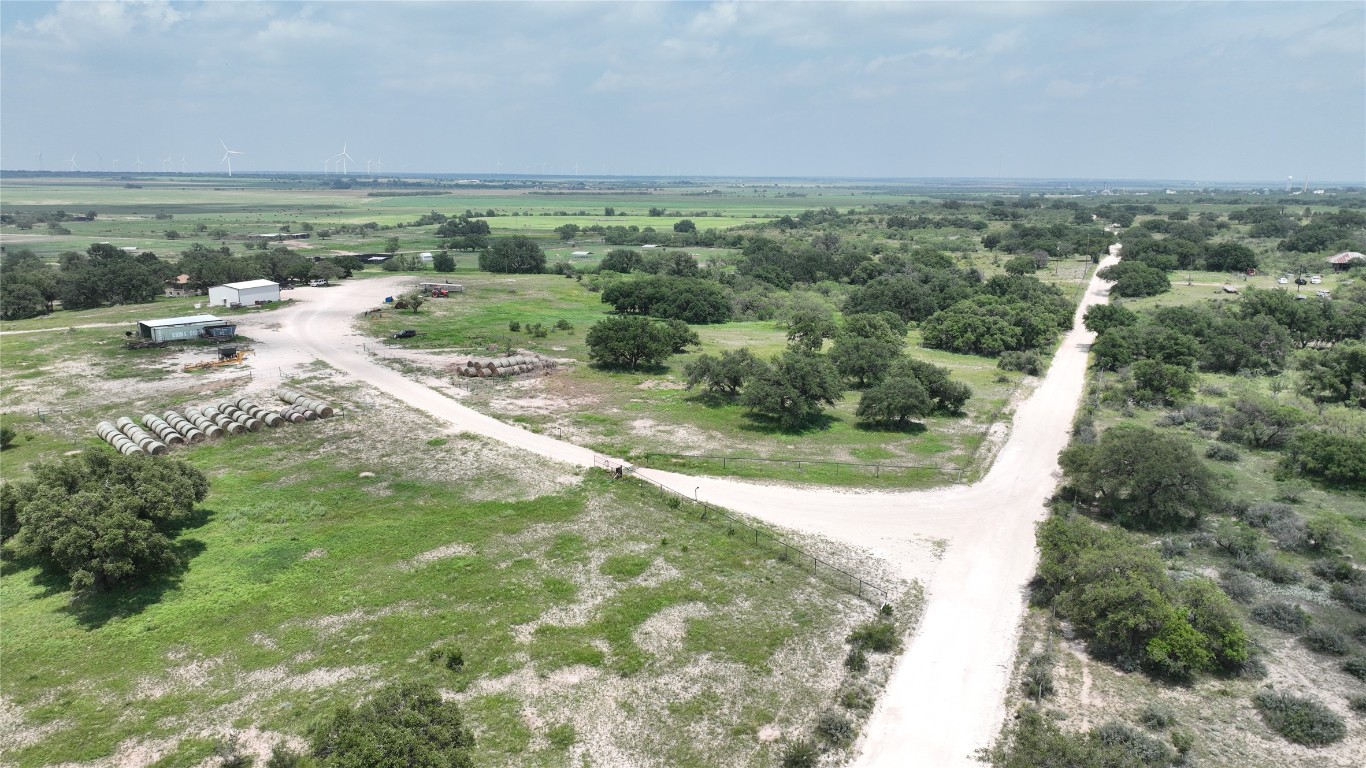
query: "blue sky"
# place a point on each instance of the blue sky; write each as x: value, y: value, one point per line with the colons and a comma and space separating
x: 1104, y: 90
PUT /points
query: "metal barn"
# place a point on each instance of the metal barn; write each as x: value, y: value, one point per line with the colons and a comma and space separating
x: 246, y: 293
x: 182, y: 328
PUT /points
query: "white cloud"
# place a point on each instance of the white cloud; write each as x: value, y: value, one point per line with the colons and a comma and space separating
x: 74, y: 22
x: 1067, y: 89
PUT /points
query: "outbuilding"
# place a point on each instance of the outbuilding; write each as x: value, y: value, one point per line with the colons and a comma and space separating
x: 182, y: 328
x: 1345, y: 260
x: 244, y: 294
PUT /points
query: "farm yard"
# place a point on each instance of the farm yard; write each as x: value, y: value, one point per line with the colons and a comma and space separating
x: 607, y: 622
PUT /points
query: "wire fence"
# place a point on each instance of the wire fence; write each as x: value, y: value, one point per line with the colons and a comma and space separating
x: 857, y: 585
x: 873, y: 468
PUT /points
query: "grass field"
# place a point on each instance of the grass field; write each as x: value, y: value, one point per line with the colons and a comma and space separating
x: 638, y: 413
x: 581, y: 606
x: 128, y: 216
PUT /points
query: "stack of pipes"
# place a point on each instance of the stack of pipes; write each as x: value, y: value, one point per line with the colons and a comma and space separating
x: 226, y: 424
x: 271, y: 419
x: 139, y: 436
x: 185, y: 428
x: 203, y: 423
x: 241, y: 417
x: 168, y: 434
x: 111, y: 434
x: 317, y: 406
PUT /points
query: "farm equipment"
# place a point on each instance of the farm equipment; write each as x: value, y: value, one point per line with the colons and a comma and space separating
x: 226, y: 356
x: 440, y: 293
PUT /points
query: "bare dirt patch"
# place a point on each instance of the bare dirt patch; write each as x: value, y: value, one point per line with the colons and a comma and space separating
x: 449, y: 550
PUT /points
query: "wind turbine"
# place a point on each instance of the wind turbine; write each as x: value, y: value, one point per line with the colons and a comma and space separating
x: 73, y: 163
x: 326, y: 164
x: 227, y: 156
x: 40, y: 159
x: 344, y: 157
x: 138, y: 162
x: 182, y: 163
x: 114, y: 165
x: 101, y: 163
x: 367, y: 166
x: 379, y: 165
x: 168, y: 162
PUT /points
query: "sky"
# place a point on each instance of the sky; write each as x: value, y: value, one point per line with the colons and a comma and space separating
x: 1199, y: 91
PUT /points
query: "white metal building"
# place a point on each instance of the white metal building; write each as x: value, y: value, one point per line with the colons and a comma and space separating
x: 246, y: 293
x: 180, y: 328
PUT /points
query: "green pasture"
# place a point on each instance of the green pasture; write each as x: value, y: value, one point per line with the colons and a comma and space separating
x: 642, y: 412
x: 299, y: 573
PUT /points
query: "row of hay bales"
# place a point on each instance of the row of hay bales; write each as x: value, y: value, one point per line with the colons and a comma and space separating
x: 500, y: 366
x: 158, y: 434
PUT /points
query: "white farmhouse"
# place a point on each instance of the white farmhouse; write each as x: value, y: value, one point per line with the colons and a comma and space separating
x: 246, y: 293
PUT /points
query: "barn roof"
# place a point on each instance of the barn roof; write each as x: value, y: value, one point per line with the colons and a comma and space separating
x: 245, y: 284
x: 1346, y: 256
x: 171, y: 321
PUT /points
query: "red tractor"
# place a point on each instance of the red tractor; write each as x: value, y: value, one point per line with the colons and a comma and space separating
x: 440, y: 293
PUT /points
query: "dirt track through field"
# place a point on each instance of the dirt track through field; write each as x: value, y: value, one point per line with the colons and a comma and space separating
x: 945, y: 697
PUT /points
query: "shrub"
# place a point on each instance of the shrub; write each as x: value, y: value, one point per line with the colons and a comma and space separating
x: 1157, y: 716
x: 1357, y: 704
x: 281, y: 756
x: 7, y: 435
x: 836, y: 727
x: 1029, y: 362
x: 1253, y: 669
x: 230, y: 755
x: 1324, y: 640
x: 1300, y: 720
x: 1290, y: 533
x: 1356, y: 667
x: 538, y: 331
x: 1351, y: 595
x: 1221, y: 452
x: 1266, y: 565
x: 1125, y: 741
x: 1282, y: 615
x: 408, y: 719
x: 563, y: 325
x: 856, y: 660
x: 1183, y: 740
x: 856, y: 696
x: 801, y: 754
x: 514, y: 326
x: 449, y: 655
x: 878, y: 636
x: 1038, y: 676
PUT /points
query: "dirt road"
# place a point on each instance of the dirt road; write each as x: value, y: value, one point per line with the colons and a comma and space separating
x: 945, y: 697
